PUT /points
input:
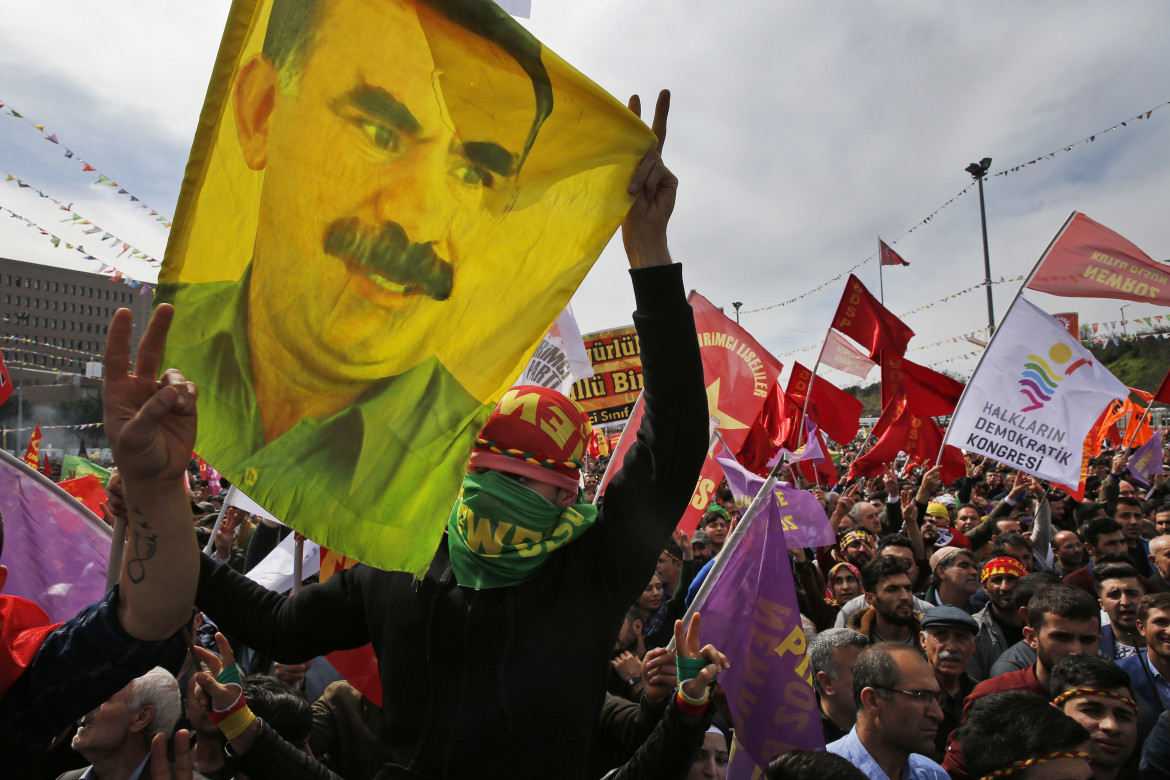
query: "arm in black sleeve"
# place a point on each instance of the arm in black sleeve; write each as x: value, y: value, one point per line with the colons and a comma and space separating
x: 646, y: 498
x: 966, y: 484
x: 318, y: 620
x: 670, y: 749
x: 894, y: 516
x: 270, y: 757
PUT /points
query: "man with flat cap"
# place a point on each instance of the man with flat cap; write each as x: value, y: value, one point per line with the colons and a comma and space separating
x: 948, y: 639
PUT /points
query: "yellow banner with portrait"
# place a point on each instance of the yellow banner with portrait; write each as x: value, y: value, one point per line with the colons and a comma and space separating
x: 387, y: 203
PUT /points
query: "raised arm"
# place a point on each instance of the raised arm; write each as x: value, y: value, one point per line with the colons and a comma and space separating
x: 646, y: 498
x: 151, y: 427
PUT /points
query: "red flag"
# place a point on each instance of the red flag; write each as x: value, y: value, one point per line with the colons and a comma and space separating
x: 32, y: 454
x: 5, y: 382
x: 1088, y: 260
x: 46, y: 467
x: 738, y: 373
x: 919, y: 437
x: 1072, y: 323
x: 928, y: 393
x: 1162, y: 394
x: 833, y: 410
x: 88, y: 490
x: 863, y: 319
x: 889, y: 256
x: 766, y: 434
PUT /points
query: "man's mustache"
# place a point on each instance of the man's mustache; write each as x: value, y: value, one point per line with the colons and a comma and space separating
x: 389, y: 253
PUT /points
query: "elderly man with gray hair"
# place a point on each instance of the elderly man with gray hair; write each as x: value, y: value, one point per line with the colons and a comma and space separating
x: 115, y: 738
x: 831, y: 656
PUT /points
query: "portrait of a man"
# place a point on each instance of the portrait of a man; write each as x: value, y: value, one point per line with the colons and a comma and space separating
x: 372, y: 233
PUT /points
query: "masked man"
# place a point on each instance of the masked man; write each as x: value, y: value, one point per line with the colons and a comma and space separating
x: 464, y: 654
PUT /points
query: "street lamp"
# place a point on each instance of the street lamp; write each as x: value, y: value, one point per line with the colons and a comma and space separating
x: 737, y: 304
x: 21, y: 319
x: 978, y: 171
x: 1123, y: 308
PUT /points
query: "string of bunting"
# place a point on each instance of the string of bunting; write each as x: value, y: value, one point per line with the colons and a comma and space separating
x: 114, y: 274
x: 1157, y: 318
x: 979, y: 286
x: 26, y: 340
x: 80, y: 221
x: 1087, y: 140
x: 925, y: 220
x: 38, y: 367
x: 82, y: 427
x: 86, y: 167
x: 1115, y: 340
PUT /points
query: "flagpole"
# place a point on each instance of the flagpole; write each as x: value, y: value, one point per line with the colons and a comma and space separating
x: 298, y: 564
x: 726, y: 553
x: 227, y: 500
x: 881, y: 283
x: 808, y: 392
x: 604, y: 482
x: 995, y: 332
x: 117, y: 545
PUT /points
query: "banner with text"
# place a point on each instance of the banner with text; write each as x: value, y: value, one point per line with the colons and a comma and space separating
x: 609, y: 395
x: 1033, y: 397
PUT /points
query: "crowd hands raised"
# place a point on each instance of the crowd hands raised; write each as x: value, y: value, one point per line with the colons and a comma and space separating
x: 188, y: 669
x: 994, y: 625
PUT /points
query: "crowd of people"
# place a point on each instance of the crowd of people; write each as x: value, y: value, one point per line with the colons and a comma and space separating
x: 986, y: 628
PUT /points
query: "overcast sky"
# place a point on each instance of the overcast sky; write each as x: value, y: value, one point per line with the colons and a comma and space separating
x: 799, y: 132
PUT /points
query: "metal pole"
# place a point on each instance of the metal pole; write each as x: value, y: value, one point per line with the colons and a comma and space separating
x: 978, y: 171
x: 986, y: 260
x: 737, y: 304
x: 23, y: 320
x: 1123, y: 308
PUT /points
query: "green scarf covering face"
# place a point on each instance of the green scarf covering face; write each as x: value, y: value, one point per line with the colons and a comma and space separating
x: 501, y: 532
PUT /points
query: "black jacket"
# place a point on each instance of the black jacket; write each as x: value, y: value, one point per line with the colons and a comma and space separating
x: 507, y: 682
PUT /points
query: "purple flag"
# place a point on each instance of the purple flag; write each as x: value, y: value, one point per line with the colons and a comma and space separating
x: 751, y: 614
x: 811, y: 450
x: 804, y: 521
x: 1146, y: 460
x: 56, y: 550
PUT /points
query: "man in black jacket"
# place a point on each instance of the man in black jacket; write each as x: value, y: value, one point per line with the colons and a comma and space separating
x: 471, y: 687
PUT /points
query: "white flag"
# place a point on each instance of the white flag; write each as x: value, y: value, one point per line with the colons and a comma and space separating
x: 561, y: 358
x: 1033, y: 397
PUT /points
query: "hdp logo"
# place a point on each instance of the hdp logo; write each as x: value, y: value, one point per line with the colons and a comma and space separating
x: 1041, y: 377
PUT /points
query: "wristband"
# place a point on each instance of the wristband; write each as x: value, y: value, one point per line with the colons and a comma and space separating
x: 689, y: 668
x: 688, y: 709
x: 229, y: 675
x: 233, y: 721
x: 236, y: 723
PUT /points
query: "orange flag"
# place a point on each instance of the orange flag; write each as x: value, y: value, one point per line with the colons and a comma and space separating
x: 32, y: 454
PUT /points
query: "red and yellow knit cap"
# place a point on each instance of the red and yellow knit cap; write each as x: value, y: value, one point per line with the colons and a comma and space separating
x: 1004, y: 564
x: 535, y: 432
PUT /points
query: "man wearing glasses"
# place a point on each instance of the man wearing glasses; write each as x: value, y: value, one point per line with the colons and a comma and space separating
x: 898, y: 715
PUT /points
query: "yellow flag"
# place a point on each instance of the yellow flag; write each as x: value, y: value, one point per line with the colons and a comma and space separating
x: 387, y: 203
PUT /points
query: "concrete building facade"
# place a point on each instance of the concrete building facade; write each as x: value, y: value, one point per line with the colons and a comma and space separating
x: 53, y: 327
